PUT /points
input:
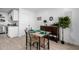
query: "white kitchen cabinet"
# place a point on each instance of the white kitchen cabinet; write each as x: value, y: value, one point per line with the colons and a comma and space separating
x: 12, y: 31
x: 14, y: 14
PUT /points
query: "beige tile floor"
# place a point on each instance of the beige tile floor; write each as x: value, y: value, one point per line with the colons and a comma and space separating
x: 18, y: 43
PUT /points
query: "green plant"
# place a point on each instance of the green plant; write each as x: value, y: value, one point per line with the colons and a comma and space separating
x: 64, y: 23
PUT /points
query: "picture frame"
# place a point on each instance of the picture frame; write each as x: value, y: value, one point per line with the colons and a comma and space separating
x: 39, y: 18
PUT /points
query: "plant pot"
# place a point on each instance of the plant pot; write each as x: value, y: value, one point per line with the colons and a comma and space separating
x: 62, y: 42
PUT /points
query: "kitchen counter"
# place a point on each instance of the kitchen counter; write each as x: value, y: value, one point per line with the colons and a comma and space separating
x: 12, y: 25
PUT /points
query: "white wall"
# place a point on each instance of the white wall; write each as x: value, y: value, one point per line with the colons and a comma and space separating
x: 26, y: 17
x: 46, y: 13
x: 71, y: 34
x: 55, y: 13
x: 75, y: 26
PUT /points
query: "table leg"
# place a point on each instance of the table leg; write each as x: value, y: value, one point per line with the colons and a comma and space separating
x: 48, y: 44
x: 44, y: 43
x: 39, y: 43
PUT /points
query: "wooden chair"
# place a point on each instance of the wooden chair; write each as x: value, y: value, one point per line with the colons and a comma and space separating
x: 35, y: 41
x: 31, y: 40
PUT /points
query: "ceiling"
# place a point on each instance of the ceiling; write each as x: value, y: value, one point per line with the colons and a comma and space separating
x: 32, y: 9
x: 6, y: 9
x: 39, y: 9
x: 9, y: 9
x: 42, y: 9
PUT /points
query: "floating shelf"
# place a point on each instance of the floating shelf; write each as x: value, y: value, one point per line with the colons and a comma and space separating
x: 2, y: 18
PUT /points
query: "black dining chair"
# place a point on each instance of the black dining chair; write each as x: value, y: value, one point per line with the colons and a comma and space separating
x: 31, y: 40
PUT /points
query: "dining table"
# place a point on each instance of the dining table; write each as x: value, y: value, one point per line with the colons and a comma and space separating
x: 39, y: 34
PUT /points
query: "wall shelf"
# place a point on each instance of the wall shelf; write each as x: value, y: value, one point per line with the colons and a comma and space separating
x: 2, y: 18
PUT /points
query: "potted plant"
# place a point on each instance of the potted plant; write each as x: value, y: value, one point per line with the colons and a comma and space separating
x: 64, y: 23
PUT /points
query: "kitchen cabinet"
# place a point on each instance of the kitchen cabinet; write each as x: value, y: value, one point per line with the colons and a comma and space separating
x: 14, y: 15
x: 12, y: 31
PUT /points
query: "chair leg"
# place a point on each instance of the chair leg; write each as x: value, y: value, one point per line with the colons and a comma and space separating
x: 56, y: 41
x: 30, y: 40
x: 48, y: 44
x: 44, y: 43
x: 37, y: 45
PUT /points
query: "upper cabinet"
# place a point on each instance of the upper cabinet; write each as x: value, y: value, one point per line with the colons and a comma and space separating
x: 14, y: 15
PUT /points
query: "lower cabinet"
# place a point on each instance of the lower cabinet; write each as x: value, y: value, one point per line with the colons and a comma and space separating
x: 12, y: 31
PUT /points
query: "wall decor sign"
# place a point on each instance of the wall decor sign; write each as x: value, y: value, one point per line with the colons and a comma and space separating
x: 39, y: 18
x: 50, y: 18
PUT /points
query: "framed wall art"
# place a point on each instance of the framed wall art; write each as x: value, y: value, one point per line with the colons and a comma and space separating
x: 50, y: 18
x: 39, y: 18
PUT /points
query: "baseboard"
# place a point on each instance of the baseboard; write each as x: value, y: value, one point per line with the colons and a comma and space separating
x: 71, y: 43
